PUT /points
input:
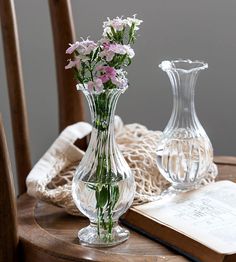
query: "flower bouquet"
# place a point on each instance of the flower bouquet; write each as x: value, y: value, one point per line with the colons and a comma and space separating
x: 103, y: 187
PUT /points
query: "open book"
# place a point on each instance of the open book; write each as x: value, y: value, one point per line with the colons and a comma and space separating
x: 200, y: 224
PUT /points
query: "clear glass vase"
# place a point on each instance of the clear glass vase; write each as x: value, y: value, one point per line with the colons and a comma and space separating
x: 184, y: 152
x: 103, y: 187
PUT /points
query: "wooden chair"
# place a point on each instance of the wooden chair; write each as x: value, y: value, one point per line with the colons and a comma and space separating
x: 70, y: 102
x: 43, y: 232
x: 8, y: 224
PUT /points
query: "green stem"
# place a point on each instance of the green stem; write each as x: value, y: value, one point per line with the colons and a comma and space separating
x: 106, y: 188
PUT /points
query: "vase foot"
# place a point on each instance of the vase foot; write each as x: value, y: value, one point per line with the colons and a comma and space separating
x: 175, y: 190
x: 88, y: 236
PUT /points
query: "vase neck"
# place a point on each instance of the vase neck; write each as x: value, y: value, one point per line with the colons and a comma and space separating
x: 102, y: 144
x: 102, y: 108
x: 183, y: 75
x: 183, y: 85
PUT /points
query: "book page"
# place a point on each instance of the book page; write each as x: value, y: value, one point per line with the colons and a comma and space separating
x: 207, y: 215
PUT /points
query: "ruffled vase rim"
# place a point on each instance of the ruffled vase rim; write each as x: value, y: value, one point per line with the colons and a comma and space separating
x: 84, y: 88
x: 183, y: 65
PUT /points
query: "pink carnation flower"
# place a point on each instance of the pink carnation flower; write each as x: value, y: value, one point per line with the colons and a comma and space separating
x: 104, y: 78
x: 117, y: 23
x: 72, y: 48
x: 95, y: 85
x: 117, y: 49
x: 111, y: 49
x: 108, y: 73
x: 86, y: 47
x: 73, y: 63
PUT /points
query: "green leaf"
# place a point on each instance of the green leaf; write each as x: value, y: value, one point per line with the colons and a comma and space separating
x: 129, y: 61
x: 131, y: 33
x: 109, y: 36
x: 77, y: 75
x: 115, y: 36
x: 95, y: 53
x: 123, y: 59
x: 115, y: 195
x: 102, y: 196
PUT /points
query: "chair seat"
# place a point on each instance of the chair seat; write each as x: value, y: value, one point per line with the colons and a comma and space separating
x: 47, y: 232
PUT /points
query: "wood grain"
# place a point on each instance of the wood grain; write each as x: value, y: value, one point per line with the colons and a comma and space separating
x: 49, y: 232
x: 8, y: 224
x: 16, y: 91
x: 56, y: 236
x: 71, y: 108
x: 225, y: 160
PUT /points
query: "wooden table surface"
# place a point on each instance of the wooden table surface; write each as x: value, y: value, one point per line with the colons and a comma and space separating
x: 49, y: 234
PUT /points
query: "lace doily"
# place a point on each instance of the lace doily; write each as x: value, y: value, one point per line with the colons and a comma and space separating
x: 50, y: 179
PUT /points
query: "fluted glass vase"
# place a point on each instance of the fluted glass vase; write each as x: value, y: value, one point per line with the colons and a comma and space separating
x: 103, y: 187
x: 184, y: 152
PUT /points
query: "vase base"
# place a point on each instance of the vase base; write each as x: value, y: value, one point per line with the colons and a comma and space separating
x: 88, y: 236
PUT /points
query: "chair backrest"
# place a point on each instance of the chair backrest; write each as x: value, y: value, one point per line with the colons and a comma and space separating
x: 8, y: 225
x: 70, y: 101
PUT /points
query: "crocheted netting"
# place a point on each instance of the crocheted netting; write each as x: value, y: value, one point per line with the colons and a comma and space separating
x: 138, y: 145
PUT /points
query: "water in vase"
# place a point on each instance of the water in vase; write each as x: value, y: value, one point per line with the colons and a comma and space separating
x: 86, y: 198
x: 184, y: 162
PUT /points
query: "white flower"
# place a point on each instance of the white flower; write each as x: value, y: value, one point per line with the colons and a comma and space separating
x: 118, y: 49
x: 122, y: 50
x: 120, y: 79
x: 135, y: 21
x: 107, y: 54
x: 117, y: 23
x: 111, y: 49
x: 107, y: 30
x: 129, y: 51
x: 86, y: 47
